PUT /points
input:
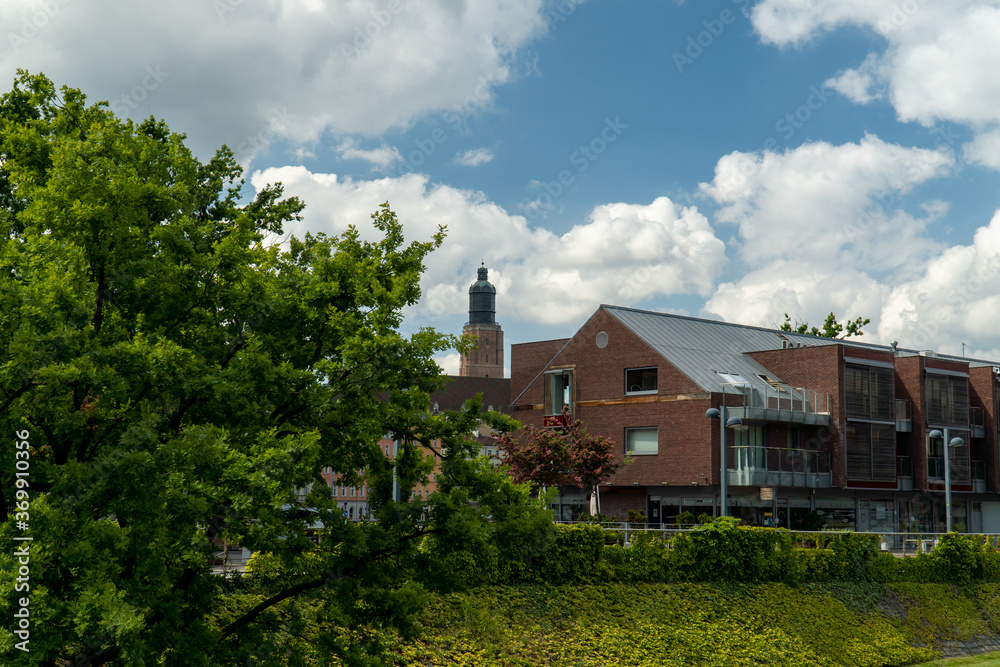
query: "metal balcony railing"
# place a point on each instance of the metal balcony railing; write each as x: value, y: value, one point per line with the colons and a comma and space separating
x: 778, y: 466
x: 777, y: 402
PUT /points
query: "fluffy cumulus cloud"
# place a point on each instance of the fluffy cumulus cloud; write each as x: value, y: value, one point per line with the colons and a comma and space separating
x: 938, y: 65
x: 623, y: 253
x: 955, y: 300
x: 823, y: 227
x: 827, y: 204
x: 244, y: 73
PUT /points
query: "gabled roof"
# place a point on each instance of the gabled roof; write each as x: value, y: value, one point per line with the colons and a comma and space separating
x: 702, y: 349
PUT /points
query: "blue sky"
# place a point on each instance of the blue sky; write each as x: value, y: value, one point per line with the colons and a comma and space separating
x: 733, y: 159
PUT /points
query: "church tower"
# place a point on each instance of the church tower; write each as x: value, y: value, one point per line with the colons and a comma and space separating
x: 487, y: 359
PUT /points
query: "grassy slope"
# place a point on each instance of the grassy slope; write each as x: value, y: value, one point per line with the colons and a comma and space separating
x: 700, y: 624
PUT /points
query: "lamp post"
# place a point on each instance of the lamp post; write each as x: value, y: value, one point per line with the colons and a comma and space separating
x: 720, y: 414
x: 949, y: 442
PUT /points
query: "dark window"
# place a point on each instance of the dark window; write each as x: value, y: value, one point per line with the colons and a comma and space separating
x: 871, y: 452
x: 869, y: 392
x: 947, y: 400
x: 959, y: 464
x: 640, y: 380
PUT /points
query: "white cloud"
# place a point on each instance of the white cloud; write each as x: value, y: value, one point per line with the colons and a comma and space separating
x: 956, y: 300
x: 623, y: 253
x: 228, y: 68
x: 984, y: 149
x: 450, y: 363
x: 826, y: 203
x: 938, y: 65
x: 860, y: 84
x: 382, y: 157
x: 823, y: 228
x: 474, y: 157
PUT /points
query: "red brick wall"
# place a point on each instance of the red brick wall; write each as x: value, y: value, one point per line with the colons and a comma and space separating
x: 684, y: 452
x: 820, y: 368
x: 527, y: 360
x: 486, y: 359
x: 983, y: 384
x: 910, y: 385
x: 617, y: 503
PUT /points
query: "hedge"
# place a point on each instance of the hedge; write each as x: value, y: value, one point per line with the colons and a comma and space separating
x: 723, y: 550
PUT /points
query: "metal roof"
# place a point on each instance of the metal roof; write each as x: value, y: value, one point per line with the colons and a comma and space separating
x: 701, y: 349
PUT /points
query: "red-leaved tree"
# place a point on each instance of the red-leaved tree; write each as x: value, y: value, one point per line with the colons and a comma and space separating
x: 567, y: 455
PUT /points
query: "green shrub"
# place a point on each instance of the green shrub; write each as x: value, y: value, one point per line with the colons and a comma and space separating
x: 956, y: 559
x: 854, y: 553
x: 573, y: 557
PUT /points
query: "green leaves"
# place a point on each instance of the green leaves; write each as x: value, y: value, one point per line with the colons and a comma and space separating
x: 185, y: 380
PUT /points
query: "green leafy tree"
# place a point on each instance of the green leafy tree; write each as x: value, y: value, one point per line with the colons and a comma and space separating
x: 831, y: 327
x: 180, y: 379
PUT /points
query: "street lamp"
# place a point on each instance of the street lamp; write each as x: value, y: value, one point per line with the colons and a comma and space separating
x: 952, y: 442
x: 720, y: 414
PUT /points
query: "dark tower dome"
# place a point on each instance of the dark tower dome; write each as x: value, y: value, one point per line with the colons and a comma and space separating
x: 482, y: 300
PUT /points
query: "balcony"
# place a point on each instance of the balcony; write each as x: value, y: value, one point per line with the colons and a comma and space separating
x: 777, y: 402
x: 778, y: 466
x: 904, y: 419
x: 977, y: 420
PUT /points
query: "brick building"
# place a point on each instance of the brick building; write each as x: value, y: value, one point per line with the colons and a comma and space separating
x: 832, y: 432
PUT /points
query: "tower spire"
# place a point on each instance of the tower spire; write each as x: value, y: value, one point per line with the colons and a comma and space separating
x: 486, y: 360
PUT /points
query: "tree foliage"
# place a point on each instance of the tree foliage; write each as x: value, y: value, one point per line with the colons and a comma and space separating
x: 181, y: 379
x: 559, y: 456
x: 831, y: 327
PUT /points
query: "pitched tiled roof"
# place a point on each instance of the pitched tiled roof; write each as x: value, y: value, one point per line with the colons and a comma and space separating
x: 495, y: 391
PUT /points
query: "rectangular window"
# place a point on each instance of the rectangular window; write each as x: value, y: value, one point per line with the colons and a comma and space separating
x: 869, y: 392
x: 959, y: 464
x: 353, y: 491
x: 640, y: 380
x: 947, y: 400
x: 748, y: 448
x: 871, y: 452
x: 641, y: 441
x: 559, y: 391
